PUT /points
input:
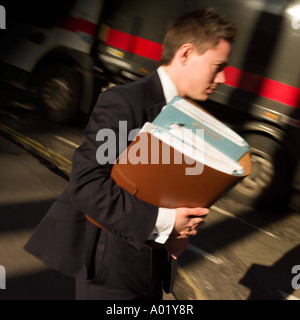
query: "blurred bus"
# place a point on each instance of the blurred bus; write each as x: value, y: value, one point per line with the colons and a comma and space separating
x: 66, y: 58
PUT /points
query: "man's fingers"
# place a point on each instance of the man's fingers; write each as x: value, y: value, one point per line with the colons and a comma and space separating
x: 187, y: 219
x: 200, y: 225
x: 197, y: 221
x: 197, y: 211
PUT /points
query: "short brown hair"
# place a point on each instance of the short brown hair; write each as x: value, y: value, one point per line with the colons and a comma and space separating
x: 202, y: 27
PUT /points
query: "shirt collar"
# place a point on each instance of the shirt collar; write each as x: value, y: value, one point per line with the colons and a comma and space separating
x: 168, y: 86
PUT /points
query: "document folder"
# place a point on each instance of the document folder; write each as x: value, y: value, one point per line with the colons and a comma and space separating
x: 176, y: 180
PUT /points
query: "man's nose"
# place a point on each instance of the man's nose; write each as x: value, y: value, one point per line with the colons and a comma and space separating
x: 220, y: 77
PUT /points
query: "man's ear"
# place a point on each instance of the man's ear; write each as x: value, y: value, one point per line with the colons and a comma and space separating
x: 184, y: 53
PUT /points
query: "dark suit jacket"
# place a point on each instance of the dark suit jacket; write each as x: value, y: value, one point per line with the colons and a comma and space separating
x: 64, y: 239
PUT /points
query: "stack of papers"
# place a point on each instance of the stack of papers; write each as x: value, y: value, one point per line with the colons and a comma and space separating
x: 199, y: 135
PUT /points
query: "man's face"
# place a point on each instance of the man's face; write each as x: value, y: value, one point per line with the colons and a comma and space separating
x: 202, y: 73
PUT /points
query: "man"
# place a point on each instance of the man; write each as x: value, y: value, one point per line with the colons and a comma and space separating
x: 114, y: 262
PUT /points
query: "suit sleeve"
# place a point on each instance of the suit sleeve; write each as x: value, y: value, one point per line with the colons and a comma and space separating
x: 92, y: 190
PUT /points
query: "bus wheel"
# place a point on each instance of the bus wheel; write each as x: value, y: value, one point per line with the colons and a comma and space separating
x: 59, y: 91
x: 269, y: 183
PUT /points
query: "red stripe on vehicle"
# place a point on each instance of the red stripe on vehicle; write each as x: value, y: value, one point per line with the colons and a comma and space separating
x: 74, y: 24
x: 237, y: 78
x: 133, y: 44
x: 264, y: 87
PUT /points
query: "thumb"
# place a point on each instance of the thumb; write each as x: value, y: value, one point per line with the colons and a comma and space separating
x: 197, y: 211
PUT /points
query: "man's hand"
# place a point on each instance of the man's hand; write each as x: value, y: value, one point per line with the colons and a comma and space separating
x: 188, y: 222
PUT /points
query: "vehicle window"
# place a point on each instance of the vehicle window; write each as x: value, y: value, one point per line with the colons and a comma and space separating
x: 45, y: 14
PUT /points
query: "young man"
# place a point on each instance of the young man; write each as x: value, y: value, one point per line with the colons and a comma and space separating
x: 115, y: 263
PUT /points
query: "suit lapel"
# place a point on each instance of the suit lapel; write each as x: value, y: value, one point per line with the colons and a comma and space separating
x: 155, y: 97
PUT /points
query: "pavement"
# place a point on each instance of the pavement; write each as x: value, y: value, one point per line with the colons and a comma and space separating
x: 27, y: 189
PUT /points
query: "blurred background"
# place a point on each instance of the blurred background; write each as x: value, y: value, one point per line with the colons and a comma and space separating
x: 57, y: 57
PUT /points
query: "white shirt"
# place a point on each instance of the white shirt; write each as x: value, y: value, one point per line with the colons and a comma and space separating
x: 168, y: 86
x: 166, y: 217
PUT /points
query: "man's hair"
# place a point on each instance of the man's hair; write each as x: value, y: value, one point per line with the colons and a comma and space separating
x: 203, y: 28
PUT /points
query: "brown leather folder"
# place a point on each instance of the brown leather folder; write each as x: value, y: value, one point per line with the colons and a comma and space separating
x: 168, y: 185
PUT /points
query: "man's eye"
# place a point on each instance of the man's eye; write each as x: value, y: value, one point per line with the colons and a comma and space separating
x: 220, y: 67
